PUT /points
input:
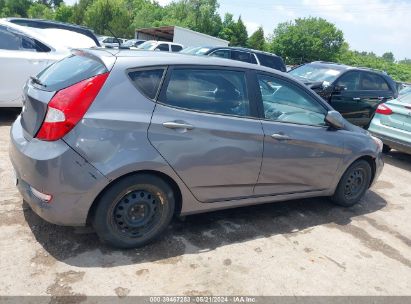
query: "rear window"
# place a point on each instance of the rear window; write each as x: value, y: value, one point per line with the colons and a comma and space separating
x: 69, y: 71
x: 176, y: 48
x: 147, y: 81
x: 273, y: 62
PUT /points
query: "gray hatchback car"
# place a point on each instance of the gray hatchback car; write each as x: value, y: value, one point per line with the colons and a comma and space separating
x: 124, y: 140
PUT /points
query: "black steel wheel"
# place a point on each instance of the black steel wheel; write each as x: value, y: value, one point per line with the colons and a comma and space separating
x: 353, y: 184
x: 137, y: 213
x: 134, y: 211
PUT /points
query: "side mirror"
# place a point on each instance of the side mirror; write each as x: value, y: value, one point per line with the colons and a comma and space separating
x: 334, y: 119
x: 340, y: 88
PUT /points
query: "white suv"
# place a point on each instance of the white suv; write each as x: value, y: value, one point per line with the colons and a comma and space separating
x: 164, y: 46
x: 25, y: 51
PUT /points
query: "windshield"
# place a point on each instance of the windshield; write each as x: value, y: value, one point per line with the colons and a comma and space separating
x: 316, y: 73
x: 147, y: 45
x: 195, y: 50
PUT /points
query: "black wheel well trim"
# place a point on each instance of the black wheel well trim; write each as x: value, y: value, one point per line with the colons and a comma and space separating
x: 163, y: 176
x: 371, y: 161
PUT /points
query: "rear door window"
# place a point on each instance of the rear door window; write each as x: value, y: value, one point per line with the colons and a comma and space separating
x: 217, y: 91
x: 147, y: 81
x: 70, y: 70
x: 176, y: 48
x: 241, y: 56
x: 163, y: 47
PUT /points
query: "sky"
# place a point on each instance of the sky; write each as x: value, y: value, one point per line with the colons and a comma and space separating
x: 368, y: 25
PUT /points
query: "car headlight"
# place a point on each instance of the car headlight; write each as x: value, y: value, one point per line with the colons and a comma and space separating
x: 378, y: 142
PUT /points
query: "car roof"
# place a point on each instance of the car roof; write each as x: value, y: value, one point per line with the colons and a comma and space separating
x: 238, y: 48
x: 150, y: 58
x: 340, y: 66
x: 44, y: 24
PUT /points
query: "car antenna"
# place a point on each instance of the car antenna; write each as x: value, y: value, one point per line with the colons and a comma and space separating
x: 118, y: 40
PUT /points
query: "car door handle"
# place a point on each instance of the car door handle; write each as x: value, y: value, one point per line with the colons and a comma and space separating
x: 177, y: 125
x: 356, y: 98
x: 279, y: 136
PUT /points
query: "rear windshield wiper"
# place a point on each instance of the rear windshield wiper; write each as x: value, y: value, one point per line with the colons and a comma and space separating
x: 37, y: 81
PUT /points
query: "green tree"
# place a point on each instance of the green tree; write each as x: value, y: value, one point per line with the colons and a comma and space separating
x: 39, y: 10
x: 228, y: 27
x: 79, y: 10
x: 16, y: 8
x: 405, y: 61
x: 234, y: 32
x: 241, y: 35
x: 104, y: 16
x: 389, y: 56
x: 307, y: 39
x: 198, y: 15
x: 257, y: 40
x: 146, y: 13
x: 64, y: 13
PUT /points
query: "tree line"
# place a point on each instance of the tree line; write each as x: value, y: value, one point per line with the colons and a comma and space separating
x: 298, y: 41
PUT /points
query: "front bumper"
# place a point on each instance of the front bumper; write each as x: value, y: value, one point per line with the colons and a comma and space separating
x: 56, y: 169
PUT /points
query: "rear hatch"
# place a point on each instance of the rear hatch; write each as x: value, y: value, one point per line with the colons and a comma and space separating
x: 400, y: 117
x: 52, y: 82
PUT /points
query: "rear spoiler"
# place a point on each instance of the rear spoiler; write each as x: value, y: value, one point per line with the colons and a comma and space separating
x: 101, y: 55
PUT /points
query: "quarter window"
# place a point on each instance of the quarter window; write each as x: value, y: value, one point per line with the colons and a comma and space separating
x: 285, y: 102
x: 373, y: 82
x: 214, y: 91
x: 147, y: 81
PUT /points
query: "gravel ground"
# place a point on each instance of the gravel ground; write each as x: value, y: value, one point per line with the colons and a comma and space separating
x: 302, y: 247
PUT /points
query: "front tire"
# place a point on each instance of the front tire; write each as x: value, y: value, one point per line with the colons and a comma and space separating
x: 134, y: 211
x: 353, y: 184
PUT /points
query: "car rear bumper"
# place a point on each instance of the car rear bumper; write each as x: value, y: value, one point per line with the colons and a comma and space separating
x: 55, y: 169
x: 392, y: 137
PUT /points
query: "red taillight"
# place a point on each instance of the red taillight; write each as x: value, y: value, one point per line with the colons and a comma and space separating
x: 68, y: 106
x: 384, y: 110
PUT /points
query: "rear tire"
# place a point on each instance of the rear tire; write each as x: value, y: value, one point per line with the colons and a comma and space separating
x: 353, y: 184
x: 386, y: 149
x: 134, y: 211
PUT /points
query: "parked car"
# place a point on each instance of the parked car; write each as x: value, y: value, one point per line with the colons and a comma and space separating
x: 124, y: 140
x: 25, y: 51
x: 240, y: 54
x: 133, y: 43
x: 50, y: 24
x: 111, y: 42
x: 163, y: 46
x: 354, y: 92
x: 392, y: 124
